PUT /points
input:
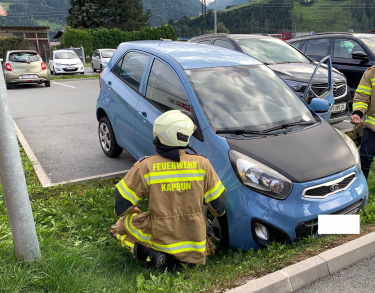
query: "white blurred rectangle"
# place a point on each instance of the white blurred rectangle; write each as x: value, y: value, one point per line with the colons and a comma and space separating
x: 338, y: 224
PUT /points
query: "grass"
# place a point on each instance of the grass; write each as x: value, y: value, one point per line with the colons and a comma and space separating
x: 323, y: 16
x: 74, y: 76
x: 72, y: 223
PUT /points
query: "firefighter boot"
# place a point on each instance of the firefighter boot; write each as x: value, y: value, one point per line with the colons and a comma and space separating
x: 153, y: 258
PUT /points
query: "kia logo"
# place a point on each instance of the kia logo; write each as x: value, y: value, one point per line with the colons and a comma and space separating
x: 334, y: 187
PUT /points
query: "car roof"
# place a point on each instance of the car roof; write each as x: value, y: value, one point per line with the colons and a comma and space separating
x: 334, y: 34
x: 233, y: 36
x: 21, y: 51
x: 189, y: 55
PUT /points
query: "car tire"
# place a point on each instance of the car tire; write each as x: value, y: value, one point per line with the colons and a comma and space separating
x: 217, y: 229
x: 93, y: 68
x: 107, y: 138
x: 9, y: 86
x: 101, y: 68
x: 53, y: 71
x: 47, y: 83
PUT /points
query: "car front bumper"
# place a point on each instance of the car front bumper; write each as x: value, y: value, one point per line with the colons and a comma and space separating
x: 292, y: 218
x: 68, y: 69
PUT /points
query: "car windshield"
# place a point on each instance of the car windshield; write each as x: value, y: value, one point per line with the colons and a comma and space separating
x: 107, y: 53
x: 251, y: 98
x: 66, y: 55
x: 271, y: 51
x: 370, y: 43
x: 26, y: 57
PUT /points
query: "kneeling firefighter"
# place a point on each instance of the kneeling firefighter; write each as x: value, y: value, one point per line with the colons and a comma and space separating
x: 177, y: 185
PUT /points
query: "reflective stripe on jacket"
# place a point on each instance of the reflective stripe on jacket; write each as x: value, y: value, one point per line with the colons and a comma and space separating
x: 363, y: 97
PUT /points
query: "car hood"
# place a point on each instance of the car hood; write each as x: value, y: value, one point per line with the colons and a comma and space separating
x: 68, y: 61
x: 310, y: 154
x: 303, y: 72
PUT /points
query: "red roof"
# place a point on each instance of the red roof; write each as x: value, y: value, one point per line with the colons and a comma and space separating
x: 2, y: 11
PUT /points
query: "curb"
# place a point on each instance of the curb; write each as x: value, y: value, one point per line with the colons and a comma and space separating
x: 301, y: 274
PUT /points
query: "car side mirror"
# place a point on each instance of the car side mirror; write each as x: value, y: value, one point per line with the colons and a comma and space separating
x: 359, y: 55
x: 319, y: 105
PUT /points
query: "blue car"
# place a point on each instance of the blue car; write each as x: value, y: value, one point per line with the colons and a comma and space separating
x: 282, y: 164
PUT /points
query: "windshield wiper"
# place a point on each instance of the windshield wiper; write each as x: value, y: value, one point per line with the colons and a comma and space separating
x: 240, y: 132
x: 283, y: 126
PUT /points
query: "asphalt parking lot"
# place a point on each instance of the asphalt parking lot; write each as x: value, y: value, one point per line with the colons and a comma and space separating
x: 57, y: 127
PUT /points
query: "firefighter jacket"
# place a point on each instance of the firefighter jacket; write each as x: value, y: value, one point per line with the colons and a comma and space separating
x: 176, y: 192
x: 363, y: 97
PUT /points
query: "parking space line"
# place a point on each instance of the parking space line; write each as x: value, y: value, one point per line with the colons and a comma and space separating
x: 64, y: 84
x: 42, y: 175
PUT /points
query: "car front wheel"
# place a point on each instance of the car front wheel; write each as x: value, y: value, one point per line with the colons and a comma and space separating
x: 217, y: 229
x: 107, y: 138
x: 93, y: 68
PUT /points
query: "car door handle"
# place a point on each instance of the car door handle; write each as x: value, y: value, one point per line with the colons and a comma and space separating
x: 144, y: 115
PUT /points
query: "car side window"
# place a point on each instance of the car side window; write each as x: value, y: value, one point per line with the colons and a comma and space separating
x: 296, y: 44
x: 130, y: 68
x: 224, y: 44
x: 204, y: 42
x: 164, y: 89
x: 344, y: 48
x: 318, y: 47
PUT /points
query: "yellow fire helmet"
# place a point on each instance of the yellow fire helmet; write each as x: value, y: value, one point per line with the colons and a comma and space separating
x: 173, y: 128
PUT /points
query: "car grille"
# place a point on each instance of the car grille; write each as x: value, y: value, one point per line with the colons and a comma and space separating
x: 311, y: 227
x: 74, y: 69
x: 339, y: 89
x: 329, y: 188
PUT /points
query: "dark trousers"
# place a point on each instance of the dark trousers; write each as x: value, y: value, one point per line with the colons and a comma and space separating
x: 367, y: 150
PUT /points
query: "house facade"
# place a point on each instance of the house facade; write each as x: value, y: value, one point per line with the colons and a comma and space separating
x: 37, y: 37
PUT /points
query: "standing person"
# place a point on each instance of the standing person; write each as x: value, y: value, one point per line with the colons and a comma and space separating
x: 364, y: 106
x: 177, y: 184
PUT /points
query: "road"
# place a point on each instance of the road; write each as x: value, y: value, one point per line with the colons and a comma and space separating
x: 358, y: 278
x: 60, y: 126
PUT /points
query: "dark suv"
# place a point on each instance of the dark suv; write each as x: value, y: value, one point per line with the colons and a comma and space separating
x: 351, y: 53
x: 290, y: 64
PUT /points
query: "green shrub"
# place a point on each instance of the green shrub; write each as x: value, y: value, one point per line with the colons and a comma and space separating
x: 92, y: 39
x: 12, y: 43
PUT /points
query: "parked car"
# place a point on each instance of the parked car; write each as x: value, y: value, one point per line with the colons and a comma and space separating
x: 25, y: 66
x: 65, y: 61
x: 293, y: 66
x: 351, y: 53
x: 100, y: 58
x: 282, y: 165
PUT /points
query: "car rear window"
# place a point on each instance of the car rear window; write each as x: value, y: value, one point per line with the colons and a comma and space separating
x: 24, y: 57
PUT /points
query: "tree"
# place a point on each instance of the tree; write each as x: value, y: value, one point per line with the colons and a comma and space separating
x: 123, y: 14
x: 126, y: 15
x: 85, y: 14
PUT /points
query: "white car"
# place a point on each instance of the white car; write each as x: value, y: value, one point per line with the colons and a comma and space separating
x: 65, y: 61
x: 100, y: 58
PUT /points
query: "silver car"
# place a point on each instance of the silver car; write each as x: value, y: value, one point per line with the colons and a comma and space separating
x: 25, y: 66
x: 100, y: 59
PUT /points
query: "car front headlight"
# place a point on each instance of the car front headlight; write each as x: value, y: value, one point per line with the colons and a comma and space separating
x: 260, y: 177
x: 297, y: 85
x: 352, y: 147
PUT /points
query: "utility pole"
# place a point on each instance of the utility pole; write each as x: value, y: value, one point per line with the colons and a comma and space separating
x: 13, y: 183
x: 215, y: 18
x: 204, y: 14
